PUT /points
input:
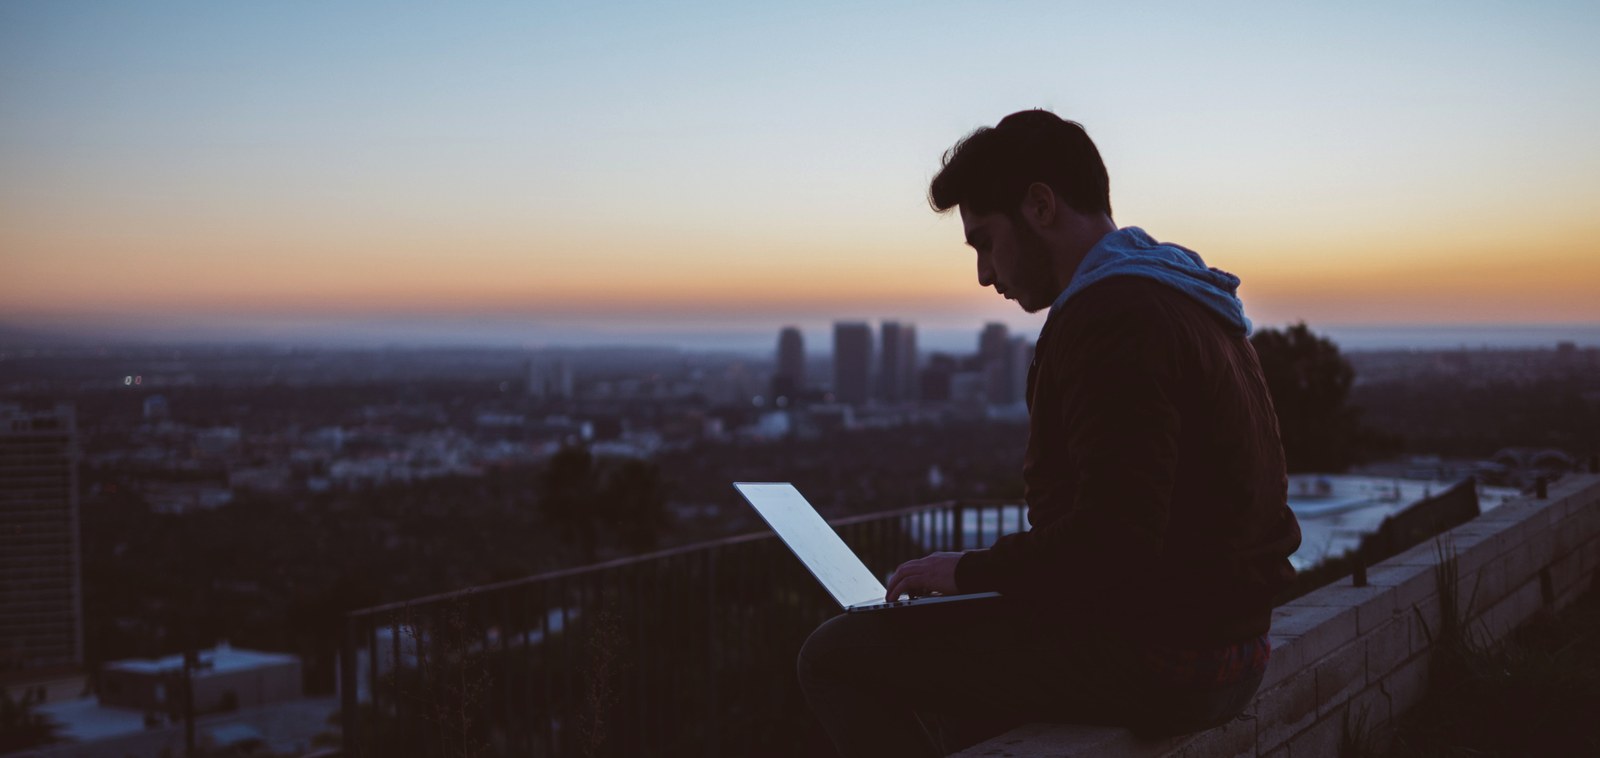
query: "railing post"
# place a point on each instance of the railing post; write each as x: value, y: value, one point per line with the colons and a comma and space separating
x: 961, y: 527
x: 398, y: 623
x: 545, y: 666
x: 348, y: 700
x: 713, y: 728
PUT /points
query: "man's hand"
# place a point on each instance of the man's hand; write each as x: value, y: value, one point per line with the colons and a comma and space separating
x: 934, y: 573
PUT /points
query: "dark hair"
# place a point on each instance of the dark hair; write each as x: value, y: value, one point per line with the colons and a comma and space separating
x: 990, y: 169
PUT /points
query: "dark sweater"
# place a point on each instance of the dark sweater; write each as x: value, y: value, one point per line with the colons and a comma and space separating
x: 1154, y: 475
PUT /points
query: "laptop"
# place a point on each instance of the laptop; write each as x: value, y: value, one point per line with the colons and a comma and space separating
x: 831, y: 561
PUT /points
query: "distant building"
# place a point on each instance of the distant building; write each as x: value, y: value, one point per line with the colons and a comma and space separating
x: 897, y: 371
x: 995, y: 358
x: 828, y: 417
x: 218, y: 442
x: 275, y: 478
x: 970, y: 389
x: 934, y: 381
x: 223, y: 679
x: 185, y: 497
x: 41, y: 607
x: 156, y: 408
x: 790, y: 378
x: 852, y: 362
x: 549, y: 380
x: 1021, y: 362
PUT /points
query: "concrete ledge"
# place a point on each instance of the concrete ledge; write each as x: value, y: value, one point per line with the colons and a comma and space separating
x: 1348, y: 657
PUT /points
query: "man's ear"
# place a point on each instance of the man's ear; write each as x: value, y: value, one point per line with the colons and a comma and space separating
x: 1039, y: 205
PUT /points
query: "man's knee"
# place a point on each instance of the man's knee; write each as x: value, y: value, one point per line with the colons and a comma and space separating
x: 827, y: 654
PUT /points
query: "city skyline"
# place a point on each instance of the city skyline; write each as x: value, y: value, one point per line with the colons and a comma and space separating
x: 750, y: 339
x: 284, y: 173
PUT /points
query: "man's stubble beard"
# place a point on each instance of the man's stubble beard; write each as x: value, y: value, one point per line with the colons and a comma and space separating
x: 1037, y: 276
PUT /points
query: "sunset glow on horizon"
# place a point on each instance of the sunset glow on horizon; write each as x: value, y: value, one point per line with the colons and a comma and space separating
x: 722, y: 165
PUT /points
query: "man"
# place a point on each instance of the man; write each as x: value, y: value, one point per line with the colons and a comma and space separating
x: 1154, y: 477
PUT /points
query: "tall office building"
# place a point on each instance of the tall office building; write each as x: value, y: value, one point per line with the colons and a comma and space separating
x: 41, y: 592
x: 549, y: 380
x: 908, y: 362
x: 934, y: 383
x: 790, y: 378
x: 852, y: 362
x: 994, y: 356
x: 897, y: 366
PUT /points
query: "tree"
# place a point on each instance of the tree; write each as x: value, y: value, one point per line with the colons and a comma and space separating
x: 567, y: 496
x: 1310, y: 383
x: 578, y: 495
x: 634, y: 503
x: 22, y: 727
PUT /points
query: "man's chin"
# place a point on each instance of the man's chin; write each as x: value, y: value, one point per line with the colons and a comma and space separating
x: 1030, y: 303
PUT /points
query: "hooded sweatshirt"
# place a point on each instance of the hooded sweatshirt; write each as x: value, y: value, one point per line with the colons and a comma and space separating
x: 1131, y: 252
x: 1154, y: 473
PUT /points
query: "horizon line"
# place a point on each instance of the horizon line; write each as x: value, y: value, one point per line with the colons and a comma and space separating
x: 733, y: 339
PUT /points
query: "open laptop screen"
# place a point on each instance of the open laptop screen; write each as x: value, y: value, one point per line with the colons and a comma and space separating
x: 817, y: 544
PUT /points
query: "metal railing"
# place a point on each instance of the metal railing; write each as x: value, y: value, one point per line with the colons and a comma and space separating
x: 688, y: 651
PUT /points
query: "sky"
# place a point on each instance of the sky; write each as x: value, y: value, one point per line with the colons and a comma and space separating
x: 532, y: 170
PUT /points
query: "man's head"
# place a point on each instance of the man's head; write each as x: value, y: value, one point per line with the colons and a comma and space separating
x: 1034, y: 197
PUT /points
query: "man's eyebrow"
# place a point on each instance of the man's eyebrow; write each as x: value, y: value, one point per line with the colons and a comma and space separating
x: 973, y: 238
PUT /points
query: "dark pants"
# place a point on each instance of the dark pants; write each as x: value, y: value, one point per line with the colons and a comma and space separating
x: 927, y: 681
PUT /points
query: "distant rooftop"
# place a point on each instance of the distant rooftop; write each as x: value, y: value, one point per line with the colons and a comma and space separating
x: 222, y: 659
x: 1336, y: 510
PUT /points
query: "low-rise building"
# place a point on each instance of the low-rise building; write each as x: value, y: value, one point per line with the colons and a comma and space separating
x: 225, y: 678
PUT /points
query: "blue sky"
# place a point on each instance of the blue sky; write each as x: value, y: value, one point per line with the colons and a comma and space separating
x: 587, y: 165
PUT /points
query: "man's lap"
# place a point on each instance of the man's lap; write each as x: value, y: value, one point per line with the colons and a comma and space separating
x: 995, y: 663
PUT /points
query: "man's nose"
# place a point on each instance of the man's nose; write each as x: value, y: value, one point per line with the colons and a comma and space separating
x: 985, y: 272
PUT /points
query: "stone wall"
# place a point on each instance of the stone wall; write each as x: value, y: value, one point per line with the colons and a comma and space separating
x: 1359, y: 655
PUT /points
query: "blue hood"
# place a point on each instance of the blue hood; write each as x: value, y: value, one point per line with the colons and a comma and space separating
x: 1131, y: 252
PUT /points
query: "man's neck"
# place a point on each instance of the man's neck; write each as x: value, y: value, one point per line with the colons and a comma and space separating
x: 1082, y: 239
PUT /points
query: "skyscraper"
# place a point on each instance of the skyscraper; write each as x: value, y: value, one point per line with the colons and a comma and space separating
x: 994, y: 355
x: 790, y: 378
x: 549, y: 380
x: 852, y: 362
x: 934, y: 383
x: 41, y: 606
x: 908, y: 362
x: 898, y: 362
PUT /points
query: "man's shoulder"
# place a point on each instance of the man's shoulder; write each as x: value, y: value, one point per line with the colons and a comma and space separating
x: 1139, y: 303
x: 1118, y: 303
x: 1119, y: 293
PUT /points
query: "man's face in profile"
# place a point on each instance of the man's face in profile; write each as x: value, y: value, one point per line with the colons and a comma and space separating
x: 1011, y: 258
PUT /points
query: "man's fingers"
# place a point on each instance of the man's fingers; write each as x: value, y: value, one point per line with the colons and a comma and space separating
x: 896, y: 581
x: 906, y: 580
x: 900, y: 582
x: 933, y: 574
